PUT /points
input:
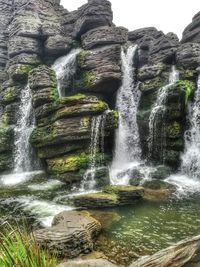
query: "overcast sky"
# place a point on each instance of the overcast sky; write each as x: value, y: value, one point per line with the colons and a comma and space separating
x: 165, y: 15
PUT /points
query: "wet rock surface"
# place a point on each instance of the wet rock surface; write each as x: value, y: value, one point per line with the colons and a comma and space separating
x: 111, y: 196
x: 71, y: 234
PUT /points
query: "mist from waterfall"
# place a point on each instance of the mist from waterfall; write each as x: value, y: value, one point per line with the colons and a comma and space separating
x: 127, y: 141
x: 96, y: 151
x: 65, y: 68
x: 158, y: 110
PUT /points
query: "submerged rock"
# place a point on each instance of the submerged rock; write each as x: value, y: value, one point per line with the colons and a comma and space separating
x: 71, y: 234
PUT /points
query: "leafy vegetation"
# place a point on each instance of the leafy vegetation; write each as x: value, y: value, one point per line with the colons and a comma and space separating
x: 19, y: 249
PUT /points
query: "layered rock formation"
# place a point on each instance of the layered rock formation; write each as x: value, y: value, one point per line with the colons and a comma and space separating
x: 36, y: 33
x: 71, y: 234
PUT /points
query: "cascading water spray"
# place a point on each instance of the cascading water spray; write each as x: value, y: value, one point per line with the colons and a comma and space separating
x: 158, y: 110
x: 65, y: 68
x: 191, y: 158
x: 96, y: 150
x: 188, y: 179
x: 24, y: 160
x: 127, y: 145
x: 26, y: 164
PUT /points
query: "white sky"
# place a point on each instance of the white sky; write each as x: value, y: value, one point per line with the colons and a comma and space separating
x: 165, y: 15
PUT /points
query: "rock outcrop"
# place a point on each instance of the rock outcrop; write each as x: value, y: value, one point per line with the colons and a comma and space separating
x: 111, y: 196
x: 36, y: 33
x: 71, y: 234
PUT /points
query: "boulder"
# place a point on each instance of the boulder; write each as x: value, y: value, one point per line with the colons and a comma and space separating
x: 184, y: 253
x: 95, y: 14
x: 100, y: 70
x: 111, y: 196
x: 102, y: 36
x: 188, y: 55
x: 71, y: 234
x: 192, y: 31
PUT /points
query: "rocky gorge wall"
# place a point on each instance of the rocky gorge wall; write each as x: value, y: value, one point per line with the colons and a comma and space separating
x: 35, y: 33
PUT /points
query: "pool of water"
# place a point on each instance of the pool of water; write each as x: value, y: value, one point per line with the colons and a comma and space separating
x: 147, y: 227
x: 128, y: 232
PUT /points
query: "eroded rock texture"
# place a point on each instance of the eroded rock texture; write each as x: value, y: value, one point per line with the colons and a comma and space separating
x: 71, y: 234
x: 35, y: 33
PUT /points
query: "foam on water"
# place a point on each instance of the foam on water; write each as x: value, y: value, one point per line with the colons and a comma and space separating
x: 18, y: 178
x: 43, y: 210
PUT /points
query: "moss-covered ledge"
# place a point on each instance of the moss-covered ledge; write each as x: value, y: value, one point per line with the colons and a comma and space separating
x: 111, y: 196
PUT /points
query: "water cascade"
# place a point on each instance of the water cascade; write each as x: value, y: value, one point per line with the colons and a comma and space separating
x: 188, y: 180
x: 96, y: 151
x: 127, y: 152
x: 158, y: 111
x: 65, y: 68
x: 191, y: 158
x: 26, y: 164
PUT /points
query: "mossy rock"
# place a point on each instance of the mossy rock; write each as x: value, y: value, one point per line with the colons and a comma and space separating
x: 188, y: 87
x: 11, y: 94
x: 21, y: 72
x: 81, y: 58
x: 174, y: 130
x: 87, y: 79
x: 111, y: 196
x: 74, y: 162
x: 48, y: 152
x: 96, y: 200
x: 152, y: 84
x: 5, y: 161
x: 6, y: 138
x: 157, y: 184
x: 115, y: 189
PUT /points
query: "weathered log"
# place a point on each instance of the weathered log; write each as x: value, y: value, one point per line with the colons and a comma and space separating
x: 183, y: 254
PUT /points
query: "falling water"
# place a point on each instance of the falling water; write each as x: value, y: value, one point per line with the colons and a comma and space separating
x: 191, y: 158
x: 23, y: 155
x: 25, y: 161
x: 127, y: 145
x: 96, y: 151
x: 188, y: 180
x: 65, y: 68
x: 158, y: 110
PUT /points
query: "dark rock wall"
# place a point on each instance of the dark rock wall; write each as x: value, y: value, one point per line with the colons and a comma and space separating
x: 36, y: 32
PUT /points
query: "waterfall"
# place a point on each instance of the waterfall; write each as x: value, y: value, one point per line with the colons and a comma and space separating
x: 65, y: 68
x: 26, y: 164
x: 23, y: 155
x: 96, y: 151
x: 158, y: 110
x: 127, y: 142
x: 188, y: 179
x: 191, y: 157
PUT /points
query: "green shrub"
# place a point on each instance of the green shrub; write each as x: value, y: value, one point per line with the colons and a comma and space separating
x: 19, y: 249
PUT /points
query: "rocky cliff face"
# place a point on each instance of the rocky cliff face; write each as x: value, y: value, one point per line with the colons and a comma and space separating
x: 35, y: 33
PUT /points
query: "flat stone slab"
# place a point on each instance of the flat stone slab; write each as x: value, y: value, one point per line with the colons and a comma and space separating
x: 72, y: 233
x: 111, y: 196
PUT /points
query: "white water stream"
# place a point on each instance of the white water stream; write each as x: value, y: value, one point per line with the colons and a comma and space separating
x: 159, y: 109
x: 65, y: 68
x: 188, y: 180
x: 127, y: 152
